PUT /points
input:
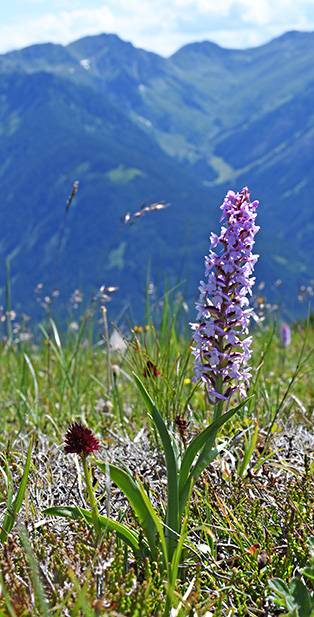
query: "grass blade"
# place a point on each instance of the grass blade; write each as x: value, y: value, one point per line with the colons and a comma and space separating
x: 8, y: 323
x: 39, y: 592
x: 35, y: 382
x: 248, y: 453
x: 4, y: 593
x: 10, y: 518
x: 7, y: 477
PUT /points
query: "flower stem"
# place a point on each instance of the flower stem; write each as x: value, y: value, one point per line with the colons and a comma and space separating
x: 91, y: 496
x: 219, y: 406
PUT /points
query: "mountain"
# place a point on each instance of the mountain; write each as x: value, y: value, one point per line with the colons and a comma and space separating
x: 133, y: 127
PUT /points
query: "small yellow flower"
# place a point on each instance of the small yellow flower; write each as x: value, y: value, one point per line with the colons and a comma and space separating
x: 138, y: 329
x: 186, y: 381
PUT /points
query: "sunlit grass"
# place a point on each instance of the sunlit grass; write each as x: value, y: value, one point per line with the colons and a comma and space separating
x: 250, y: 516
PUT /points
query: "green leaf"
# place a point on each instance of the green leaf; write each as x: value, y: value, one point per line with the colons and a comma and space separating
x: 301, y: 597
x: 9, y: 519
x: 132, y: 492
x: 183, y: 535
x: 172, y: 516
x: 206, y: 437
x: 158, y: 524
x: 212, y: 454
x: 309, y: 572
x: 125, y: 532
x: 282, y: 594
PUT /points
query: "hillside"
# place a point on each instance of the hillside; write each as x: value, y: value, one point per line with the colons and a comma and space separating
x: 131, y: 126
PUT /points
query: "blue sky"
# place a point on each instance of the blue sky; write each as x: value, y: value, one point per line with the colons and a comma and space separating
x: 162, y: 26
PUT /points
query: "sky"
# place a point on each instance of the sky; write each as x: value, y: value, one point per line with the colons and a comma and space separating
x: 161, y: 26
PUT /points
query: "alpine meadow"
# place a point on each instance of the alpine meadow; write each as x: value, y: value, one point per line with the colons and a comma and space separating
x: 156, y: 330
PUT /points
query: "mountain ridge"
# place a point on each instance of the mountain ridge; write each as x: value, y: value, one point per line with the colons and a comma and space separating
x: 132, y: 126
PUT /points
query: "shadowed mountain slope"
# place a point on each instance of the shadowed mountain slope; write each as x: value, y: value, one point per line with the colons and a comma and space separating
x: 132, y: 126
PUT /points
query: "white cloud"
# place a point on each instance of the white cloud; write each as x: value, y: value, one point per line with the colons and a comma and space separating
x: 62, y: 27
x: 161, y: 25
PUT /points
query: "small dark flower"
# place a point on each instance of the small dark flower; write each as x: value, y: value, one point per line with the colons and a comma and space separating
x: 79, y: 439
x: 151, y: 370
x: 181, y: 425
x: 262, y: 559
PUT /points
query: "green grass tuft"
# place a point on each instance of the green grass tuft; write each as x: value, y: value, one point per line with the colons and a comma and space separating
x: 250, y: 517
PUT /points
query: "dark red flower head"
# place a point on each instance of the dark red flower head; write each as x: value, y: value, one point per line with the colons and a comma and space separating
x: 181, y: 425
x: 150, y: 370
x: 79, y: 439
